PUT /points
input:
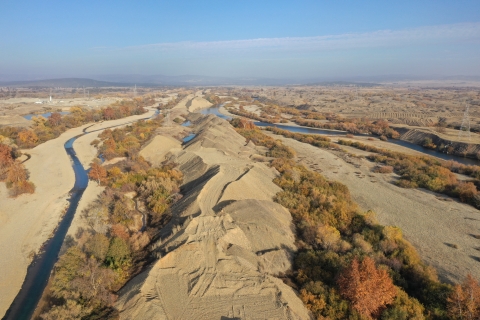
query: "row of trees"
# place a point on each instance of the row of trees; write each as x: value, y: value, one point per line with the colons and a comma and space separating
x: 101, y: 258
x: 350, y: 267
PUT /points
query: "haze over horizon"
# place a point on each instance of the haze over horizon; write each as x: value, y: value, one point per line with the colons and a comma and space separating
x: 270, y: 39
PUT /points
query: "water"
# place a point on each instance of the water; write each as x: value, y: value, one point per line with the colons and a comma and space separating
x: 189, y: 137
x: 301, y: 129
x: 306, y: 130
x: 45, y: 115
x: 39, y: 270
x: 215, y: 111
x: 186, y: 124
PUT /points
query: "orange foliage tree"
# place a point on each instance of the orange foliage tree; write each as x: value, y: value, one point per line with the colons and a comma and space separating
x: 464, y: 301
x: 368, y: 288
x: 97, y: 172
x: 27, y: 138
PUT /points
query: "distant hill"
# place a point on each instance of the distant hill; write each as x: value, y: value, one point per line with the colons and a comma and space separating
x: 64, y: 82
x: 129, y: 80
x: 191, y: 80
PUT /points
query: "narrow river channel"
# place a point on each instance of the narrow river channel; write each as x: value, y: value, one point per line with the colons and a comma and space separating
x: 38, y: 273
x: 39, y: 270
x: 406, y: 144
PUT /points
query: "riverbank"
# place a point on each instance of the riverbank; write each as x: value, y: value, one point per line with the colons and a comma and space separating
x: 28, y: 221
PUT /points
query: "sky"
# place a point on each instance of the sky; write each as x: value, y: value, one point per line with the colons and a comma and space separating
x: 263, y: 39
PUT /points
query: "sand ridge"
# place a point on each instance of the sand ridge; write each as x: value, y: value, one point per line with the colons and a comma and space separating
x: 224, y: 243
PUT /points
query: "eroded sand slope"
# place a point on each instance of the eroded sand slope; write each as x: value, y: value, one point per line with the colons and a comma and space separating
x: 226, y: 240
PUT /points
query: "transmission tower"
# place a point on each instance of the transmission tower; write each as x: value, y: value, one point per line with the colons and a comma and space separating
x: 135, y: 91
x: 465, y: 127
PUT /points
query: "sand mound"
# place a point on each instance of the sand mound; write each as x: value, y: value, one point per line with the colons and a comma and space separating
x: 217, y: 273
x: 155, y: 151
x: 224, y: 243
x: 198, y: 103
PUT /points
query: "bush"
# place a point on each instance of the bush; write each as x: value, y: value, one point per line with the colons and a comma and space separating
x: 384, y: 169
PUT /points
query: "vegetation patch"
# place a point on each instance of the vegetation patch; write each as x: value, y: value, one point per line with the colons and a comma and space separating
x: 350, y: 267
x: 121, y: 224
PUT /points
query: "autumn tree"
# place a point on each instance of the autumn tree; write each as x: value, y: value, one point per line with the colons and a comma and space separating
x: 6, y: 160
x: 464, y: 301
x: 55, y: 119
x: 368, y: 288
x: 27, y: 138
x: 97, y: 172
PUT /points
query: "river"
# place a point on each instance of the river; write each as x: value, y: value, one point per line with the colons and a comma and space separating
x: 39, y: 270
x: 306, y: 130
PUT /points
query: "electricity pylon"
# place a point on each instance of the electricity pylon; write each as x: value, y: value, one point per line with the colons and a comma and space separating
x: 465, y: 127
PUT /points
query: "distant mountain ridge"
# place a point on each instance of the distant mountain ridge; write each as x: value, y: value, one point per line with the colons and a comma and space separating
x: 129, y: 80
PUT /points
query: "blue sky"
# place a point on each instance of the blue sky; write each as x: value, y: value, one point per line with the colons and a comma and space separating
x: 273, y: 39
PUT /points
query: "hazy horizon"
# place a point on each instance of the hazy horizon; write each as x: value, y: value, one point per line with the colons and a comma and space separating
x: 276, y: 40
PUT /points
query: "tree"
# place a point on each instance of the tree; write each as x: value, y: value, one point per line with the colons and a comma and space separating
x: 369, y: 289
x: 108, y: 113
x: 55, y: 119
x: 97, y: 246
x: 464, y: 301
x: 27, y: 138
x: 6, y: 160
x: 118, y: 253
x: 97, y: 172
x: 16, y: 173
